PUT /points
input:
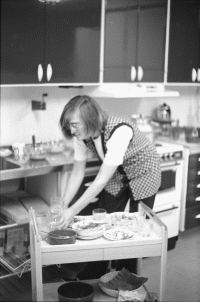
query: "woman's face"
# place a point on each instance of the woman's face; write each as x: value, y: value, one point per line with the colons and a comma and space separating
x: 77, y: 127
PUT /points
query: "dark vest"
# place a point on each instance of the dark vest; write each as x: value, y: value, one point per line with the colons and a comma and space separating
x: 141, y: 164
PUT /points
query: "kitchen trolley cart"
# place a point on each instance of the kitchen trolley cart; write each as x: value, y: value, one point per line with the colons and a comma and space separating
x: 42, y: 253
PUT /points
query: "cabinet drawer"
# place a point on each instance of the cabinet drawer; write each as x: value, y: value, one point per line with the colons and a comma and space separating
x: 192, y: 200
x: 192, y: 219
x: 194, y: 174
x: 194, y: 160
x: 193, y: 188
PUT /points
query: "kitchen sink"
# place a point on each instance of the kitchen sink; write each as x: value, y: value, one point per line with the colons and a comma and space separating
x: 7, y: 165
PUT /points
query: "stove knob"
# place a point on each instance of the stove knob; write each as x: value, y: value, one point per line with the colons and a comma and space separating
x: 171, y: 155
x: 166, y: 156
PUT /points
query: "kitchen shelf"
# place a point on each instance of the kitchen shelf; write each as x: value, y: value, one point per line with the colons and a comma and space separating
x: 95, y: 250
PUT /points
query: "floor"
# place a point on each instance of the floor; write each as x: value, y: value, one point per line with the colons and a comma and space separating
x: 183, y: 269
x: 183, y: 273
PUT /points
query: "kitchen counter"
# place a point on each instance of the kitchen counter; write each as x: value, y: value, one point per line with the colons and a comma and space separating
x: 193, y: 147
x: 57, y: 162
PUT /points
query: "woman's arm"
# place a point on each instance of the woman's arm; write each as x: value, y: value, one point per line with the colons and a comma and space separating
x: 103, y: 176
x: 75, y: 180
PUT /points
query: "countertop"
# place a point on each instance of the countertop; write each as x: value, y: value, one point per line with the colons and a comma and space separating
x: 61, y: 162
x: 194, y: 148
x: 58, y: 162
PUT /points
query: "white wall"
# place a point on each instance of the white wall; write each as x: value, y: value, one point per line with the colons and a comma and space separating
x: 18, y: 122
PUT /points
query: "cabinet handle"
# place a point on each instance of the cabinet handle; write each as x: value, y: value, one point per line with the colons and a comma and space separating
x: 40, y: 72
x: 167, y: 210
x: 49, y: 72
x: 198, y: 75
x: 194, y: 75
x: 140, y: 73
x: 133, y: 73
x: 197, y: 198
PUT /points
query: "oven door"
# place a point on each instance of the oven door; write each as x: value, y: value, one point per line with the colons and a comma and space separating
x: 171, y: 184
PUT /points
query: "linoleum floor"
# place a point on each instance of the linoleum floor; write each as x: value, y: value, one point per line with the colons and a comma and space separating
x: 183, y: 269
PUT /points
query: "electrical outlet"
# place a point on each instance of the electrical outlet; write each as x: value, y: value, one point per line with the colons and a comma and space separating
x: 38, y: 105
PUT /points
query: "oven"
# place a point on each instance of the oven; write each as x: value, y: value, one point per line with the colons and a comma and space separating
x: 168, y: 199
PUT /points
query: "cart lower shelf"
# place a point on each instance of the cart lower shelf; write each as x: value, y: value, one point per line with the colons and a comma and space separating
x: 50, y: 292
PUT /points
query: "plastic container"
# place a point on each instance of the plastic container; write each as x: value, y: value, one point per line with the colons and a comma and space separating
x: 75, y: 291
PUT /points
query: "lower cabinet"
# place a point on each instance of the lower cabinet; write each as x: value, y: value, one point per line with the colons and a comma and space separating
x: 192, y: 218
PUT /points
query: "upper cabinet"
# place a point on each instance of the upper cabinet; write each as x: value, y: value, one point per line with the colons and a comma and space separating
x: 135, y: 34
x: 50, y: 41
x: 184, y: 42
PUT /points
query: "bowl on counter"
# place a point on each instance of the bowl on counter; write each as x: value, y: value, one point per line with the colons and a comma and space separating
x: 37, y: 152
x: 64, y: 236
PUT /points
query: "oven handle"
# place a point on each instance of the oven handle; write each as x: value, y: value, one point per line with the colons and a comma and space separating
x: 170, y: 166
x: 173, y: 208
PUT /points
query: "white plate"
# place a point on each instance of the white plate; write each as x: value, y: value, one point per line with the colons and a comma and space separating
x: 5, y: 152
x: 118, y: 234
x: 81, y: 218
x: 88, y: 225
x: 89, y: 237
x: 87, y: 228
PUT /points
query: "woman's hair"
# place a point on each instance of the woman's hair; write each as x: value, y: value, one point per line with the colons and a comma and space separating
x: 91, y: 115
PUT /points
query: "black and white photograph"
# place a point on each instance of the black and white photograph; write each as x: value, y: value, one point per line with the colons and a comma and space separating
x: 100, y: 150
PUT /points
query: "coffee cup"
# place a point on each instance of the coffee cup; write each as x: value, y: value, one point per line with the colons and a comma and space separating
x: 18, y: 151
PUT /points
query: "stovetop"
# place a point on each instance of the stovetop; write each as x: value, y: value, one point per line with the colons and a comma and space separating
x: 169, y: 152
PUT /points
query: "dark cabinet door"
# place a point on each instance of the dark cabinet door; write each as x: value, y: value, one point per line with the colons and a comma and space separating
x: 50, y: 41
x: 121, y: 19
x: 22, y: 41
x: 135, y: 33
x: 72, y: 41
x: 184, y: 43
x: 151, y: 40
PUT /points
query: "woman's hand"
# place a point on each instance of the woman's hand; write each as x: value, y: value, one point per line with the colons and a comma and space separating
x: 66, y: 218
